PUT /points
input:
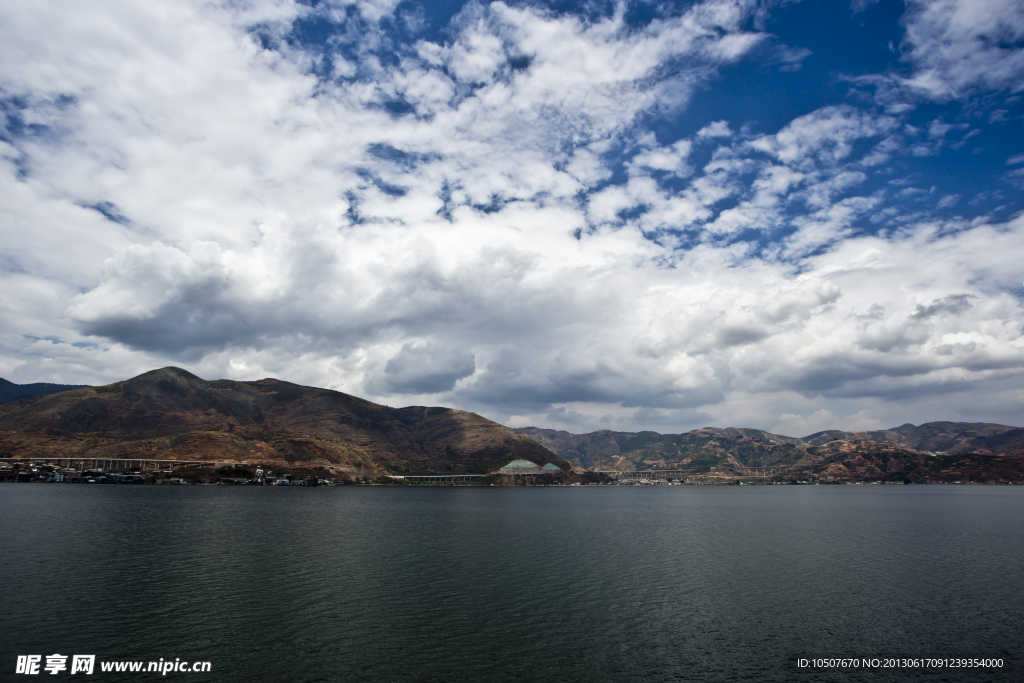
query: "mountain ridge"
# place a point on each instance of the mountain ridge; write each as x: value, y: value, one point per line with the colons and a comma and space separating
x: 170, y: 413
x: 607, y: 449
x: 9, y: 391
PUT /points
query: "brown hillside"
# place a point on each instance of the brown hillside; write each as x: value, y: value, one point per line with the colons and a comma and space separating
x: 742, y: 447
x: 172, y: 414
x: 947, y: 438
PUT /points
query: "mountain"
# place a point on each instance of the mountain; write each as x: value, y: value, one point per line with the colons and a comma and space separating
x: 9, y: 391
x: 605, y: 449
x: 739, y: 450
x: 940, y: 437
x: 845, y: 461
x: 172, y: 414
x: 585, y: 450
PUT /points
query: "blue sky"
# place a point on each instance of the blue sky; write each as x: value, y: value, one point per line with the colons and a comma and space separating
x: 786, y: 215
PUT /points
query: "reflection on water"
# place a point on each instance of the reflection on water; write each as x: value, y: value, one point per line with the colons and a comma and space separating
x: 463, y: 584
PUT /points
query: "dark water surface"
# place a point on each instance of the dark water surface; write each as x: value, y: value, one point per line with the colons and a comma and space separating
x: 465, y: 584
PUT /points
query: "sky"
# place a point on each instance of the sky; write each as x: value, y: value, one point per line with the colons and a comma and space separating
x: 784, y: 215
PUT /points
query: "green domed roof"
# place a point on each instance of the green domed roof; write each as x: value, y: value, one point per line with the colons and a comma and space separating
x: 520, y: 463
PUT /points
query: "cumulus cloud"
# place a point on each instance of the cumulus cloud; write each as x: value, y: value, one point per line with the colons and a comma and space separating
x: 671, y: 158
x: 487, y: 221
x: 955, y: 49
x: 824, y: 136
x: 426, y: 368
x: 715, y: 129
x: 959, y: 46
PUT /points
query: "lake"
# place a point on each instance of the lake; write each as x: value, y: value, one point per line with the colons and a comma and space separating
x: 715, y: 583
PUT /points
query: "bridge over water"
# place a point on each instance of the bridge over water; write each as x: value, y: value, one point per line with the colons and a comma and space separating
x: 436, y: 477
x: 140, y: 464
x: 759, y: 472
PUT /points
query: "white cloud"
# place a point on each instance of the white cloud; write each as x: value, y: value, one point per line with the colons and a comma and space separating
x: 959, y: 46
x: 671, y: 158
x: 715, y: 129
x: 195, y: 198
x: 824, y: 136
x: 821, y: 420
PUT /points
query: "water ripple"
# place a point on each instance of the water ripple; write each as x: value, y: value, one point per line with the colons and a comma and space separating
x: 449, y: 584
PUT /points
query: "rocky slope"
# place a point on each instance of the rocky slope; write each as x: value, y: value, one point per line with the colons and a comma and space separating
x: 931, y: 449
x: 607, y: 450
x: 172, y: 414
x: 947, y: 438
x: 843, y: 460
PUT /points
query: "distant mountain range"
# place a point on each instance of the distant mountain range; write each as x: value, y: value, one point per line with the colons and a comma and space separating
x: 9, y: 391
x: 171, y: 414
x: 932, y: 449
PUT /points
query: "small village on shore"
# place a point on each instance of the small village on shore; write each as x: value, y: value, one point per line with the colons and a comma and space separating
x: 518, y: 472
